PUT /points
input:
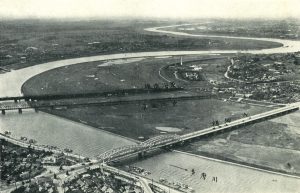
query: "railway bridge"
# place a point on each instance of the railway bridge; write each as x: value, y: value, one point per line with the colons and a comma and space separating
x: 16, y: 103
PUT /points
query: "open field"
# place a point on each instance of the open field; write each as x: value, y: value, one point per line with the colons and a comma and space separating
x: 117, y: 74
x: 132, y: 121
x: 38, y: 41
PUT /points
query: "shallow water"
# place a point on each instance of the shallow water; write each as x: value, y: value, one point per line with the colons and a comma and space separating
x: 230, y: 178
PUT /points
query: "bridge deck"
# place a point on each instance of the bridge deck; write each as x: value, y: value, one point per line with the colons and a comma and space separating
x: 13, y: 106
x: 243, y: 121
x: 159, y: 97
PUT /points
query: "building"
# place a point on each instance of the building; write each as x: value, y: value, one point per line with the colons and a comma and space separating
x: 25, y: 175
x: 54, y: 159
x: 192, y: 75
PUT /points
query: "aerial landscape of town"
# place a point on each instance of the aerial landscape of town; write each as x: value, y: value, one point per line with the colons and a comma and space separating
x: 120, y: 101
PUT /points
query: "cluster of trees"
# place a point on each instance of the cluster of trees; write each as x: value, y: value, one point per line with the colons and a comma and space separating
x: 227, y: 120
x: 215, y: 123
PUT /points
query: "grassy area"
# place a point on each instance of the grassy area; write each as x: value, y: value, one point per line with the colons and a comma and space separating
x: 28, y: 42
x: 132, y: 120
x: 89, y: 77
x: 111, y: 75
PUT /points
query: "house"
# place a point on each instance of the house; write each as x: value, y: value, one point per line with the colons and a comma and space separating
x: 25, y: 175
x: 44, y: 179
x: 86, y: 176
x: 50, y: 160
x: 109, y: 190
x: 80, y: 182
x: 58, y: 157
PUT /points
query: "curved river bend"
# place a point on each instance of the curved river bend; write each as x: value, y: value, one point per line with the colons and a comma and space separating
x: 52, y: 130
x: 15, y: 79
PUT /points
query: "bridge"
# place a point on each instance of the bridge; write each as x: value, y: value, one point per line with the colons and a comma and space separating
x: 170, y: 140
x: 33, y: 103
x: 140, y: 149
x: 120, y: 92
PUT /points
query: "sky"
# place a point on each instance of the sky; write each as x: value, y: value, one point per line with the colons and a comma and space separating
x: 236, y: 9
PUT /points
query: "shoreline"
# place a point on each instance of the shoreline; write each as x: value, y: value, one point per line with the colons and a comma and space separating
x: 253, y: 167
x: 37, y: 147
x: 88, y: 125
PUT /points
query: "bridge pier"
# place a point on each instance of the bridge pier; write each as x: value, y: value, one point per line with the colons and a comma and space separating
x: 3, y: 112
x: 182, y: 143
x: 20, y: 111
x: 142, y: 154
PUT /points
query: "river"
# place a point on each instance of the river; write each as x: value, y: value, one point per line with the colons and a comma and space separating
x: 87, y: 141
x: 16, y: 78
x: 288, y: 45
x: 52, y: 130
x: 176, y: 167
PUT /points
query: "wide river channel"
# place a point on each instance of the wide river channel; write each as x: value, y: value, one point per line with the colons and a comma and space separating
x: 175, y: 166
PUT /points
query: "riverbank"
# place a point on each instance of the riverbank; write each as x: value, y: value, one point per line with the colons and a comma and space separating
x: 246, y: 164
x: 230, y: 177
x: 242, y: 164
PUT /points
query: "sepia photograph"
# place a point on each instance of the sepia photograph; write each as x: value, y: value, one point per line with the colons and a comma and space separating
x: 149, y: 96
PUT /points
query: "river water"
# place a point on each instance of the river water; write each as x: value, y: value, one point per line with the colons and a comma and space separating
x: 52, y: 130
x: 87, y: 141
x: 176, y: 167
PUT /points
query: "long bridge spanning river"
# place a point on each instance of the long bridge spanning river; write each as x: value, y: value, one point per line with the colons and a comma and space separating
x: 168, y: 141
x: 37, y: 103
